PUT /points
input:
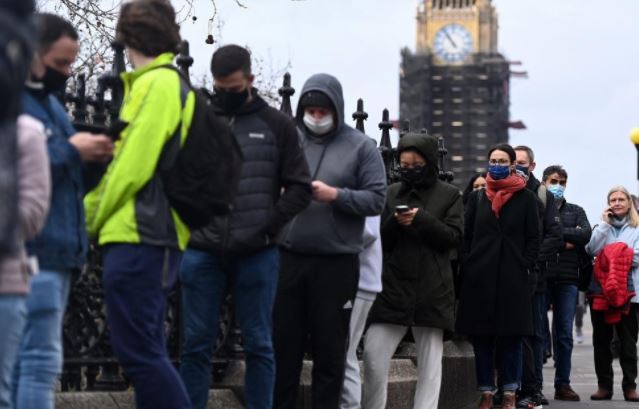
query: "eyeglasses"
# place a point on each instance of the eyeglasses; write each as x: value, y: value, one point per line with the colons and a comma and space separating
x: 500, y: 162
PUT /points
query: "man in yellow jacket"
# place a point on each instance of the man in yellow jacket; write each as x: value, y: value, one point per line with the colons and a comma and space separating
x: 141, y: 236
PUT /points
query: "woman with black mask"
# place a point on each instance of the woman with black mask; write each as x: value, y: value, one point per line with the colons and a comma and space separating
x: 501, y: 243
x: 421, y: 224
x: 476, y: 182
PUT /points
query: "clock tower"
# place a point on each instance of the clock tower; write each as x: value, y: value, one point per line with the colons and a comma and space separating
x: 456, y: 84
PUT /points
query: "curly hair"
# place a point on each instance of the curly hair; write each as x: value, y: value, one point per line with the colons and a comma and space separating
x: 149, y: 27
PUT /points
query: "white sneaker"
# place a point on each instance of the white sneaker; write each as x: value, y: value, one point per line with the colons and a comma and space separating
x: 579, y: 336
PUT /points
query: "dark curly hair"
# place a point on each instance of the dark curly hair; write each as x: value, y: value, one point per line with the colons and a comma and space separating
x: 149, y: 27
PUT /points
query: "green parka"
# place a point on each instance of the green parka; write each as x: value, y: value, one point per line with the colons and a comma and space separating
x: 417, y: 278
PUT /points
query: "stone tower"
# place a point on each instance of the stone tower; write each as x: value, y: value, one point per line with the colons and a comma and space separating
x: 456, y: 84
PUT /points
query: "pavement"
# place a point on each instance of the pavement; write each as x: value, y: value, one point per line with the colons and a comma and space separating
x: 583, y: 378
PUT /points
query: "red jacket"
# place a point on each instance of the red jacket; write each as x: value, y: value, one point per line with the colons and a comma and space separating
x: 612, y: 268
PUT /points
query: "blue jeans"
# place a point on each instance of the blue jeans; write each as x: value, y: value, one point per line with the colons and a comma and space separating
x: 40, y: 356
x: 206, y: 280
x: 508, y: 354
x: 13, y: 317
x: 563, y: 297
x: 137, y: 279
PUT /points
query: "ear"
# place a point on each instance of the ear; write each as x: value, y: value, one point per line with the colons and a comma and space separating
x: 532, y: 166
x: 251, y: 78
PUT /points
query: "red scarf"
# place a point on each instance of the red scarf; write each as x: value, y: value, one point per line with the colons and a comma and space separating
x: 500, y: 191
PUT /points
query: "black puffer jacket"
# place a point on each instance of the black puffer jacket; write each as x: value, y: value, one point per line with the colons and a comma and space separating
x: 275, y: 184
x: 565, y: 269
x: 417, y: 279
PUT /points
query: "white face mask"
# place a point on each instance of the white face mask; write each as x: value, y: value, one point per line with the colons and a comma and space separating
x: 319, y: 126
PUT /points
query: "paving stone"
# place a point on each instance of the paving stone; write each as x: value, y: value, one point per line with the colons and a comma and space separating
x: 85, y: 400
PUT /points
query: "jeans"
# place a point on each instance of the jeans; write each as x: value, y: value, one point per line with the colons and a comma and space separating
x: 533, y: 349
x: 563, y: 297
x: 206, y: 280
x: 13, y: 317
x: 40, y: 356
x: 508, y: 359
x: 137, y: 279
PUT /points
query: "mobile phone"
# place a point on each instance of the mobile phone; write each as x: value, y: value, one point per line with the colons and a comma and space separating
x: 115, y: 129
x: 399, y: 209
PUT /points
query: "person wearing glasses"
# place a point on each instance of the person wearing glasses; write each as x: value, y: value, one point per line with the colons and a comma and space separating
x: 501, y: 245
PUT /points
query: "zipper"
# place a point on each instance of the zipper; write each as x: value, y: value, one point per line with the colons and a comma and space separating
x: 226, y: 229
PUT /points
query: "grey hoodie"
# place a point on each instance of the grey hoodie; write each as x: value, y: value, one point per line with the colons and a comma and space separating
x: 348, y: 160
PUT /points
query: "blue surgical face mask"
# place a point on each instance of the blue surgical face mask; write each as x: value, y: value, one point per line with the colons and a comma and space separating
x: 498, y: 172
x: 557, y: 191
x: 523, y: 169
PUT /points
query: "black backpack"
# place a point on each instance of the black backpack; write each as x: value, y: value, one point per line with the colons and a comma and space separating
x: 201, y: 178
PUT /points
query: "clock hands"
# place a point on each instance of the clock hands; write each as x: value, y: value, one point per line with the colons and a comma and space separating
x: 450, y: 38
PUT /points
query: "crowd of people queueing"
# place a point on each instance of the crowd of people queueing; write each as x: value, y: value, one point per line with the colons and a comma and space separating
x: 317, y: 251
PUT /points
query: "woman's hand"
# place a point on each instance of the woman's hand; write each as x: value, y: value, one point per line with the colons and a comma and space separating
x: 607, y: 214
x: 406, y: 218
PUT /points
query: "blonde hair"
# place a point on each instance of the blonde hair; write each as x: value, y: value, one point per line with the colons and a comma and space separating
x: 633, y: 216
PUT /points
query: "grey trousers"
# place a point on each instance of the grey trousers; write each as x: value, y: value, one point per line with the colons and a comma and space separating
x: 351, y: 397
x: 380, y: 344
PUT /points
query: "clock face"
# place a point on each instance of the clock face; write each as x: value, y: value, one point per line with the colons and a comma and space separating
x: 453, y: 43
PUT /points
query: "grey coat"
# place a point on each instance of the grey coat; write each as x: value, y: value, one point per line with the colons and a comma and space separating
x: 348, y: 160
x: 34, y: 190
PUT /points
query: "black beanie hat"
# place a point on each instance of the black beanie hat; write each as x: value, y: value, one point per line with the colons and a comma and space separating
x: 316, y: 99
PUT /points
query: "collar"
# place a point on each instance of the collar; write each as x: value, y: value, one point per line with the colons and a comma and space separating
x: 131, y: 76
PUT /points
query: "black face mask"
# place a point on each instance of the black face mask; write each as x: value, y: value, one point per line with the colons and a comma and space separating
x: 413, y: 176
x: 229, y: 101
x: 54, y: 81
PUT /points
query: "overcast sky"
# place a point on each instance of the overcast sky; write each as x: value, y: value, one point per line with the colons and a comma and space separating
x: 582, y: 56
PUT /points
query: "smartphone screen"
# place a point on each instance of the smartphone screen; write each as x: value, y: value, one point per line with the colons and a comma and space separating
x: 401, y: 209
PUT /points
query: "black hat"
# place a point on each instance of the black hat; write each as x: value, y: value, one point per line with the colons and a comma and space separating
x: 316, y: 99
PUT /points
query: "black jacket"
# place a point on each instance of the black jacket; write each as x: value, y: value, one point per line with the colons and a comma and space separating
x: 551, y: 237
x: 417, y: 278
x: 275, y: 184
x: 497, y: 271
x: 567, y: 265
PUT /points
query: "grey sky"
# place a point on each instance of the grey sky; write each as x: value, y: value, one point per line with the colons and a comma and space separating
x: 582, y: 57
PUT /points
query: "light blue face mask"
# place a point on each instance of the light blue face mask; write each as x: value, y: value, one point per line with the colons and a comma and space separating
x: 557, y: 190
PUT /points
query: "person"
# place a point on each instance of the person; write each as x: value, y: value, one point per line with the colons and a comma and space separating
x: 619, y: 224
x: 15, y: 57
x: 476, y: 182
x: 61, y: 246
x: 141, y: 237
x: 370, y: 284
x: 564, y: 276
x: 418, y: 291
x: 34, y: 189
x: 580, y: 310
x: 501, y: 236
x: 551, y: 242
x: 243, y: 258
x: 319, y: 271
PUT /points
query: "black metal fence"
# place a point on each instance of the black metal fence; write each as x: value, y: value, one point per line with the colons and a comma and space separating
x: 88, y: 359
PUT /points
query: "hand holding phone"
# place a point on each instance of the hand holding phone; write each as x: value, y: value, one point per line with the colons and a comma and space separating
x: 399, y: 209
x: 115, y: 129
x: 608, y: 214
